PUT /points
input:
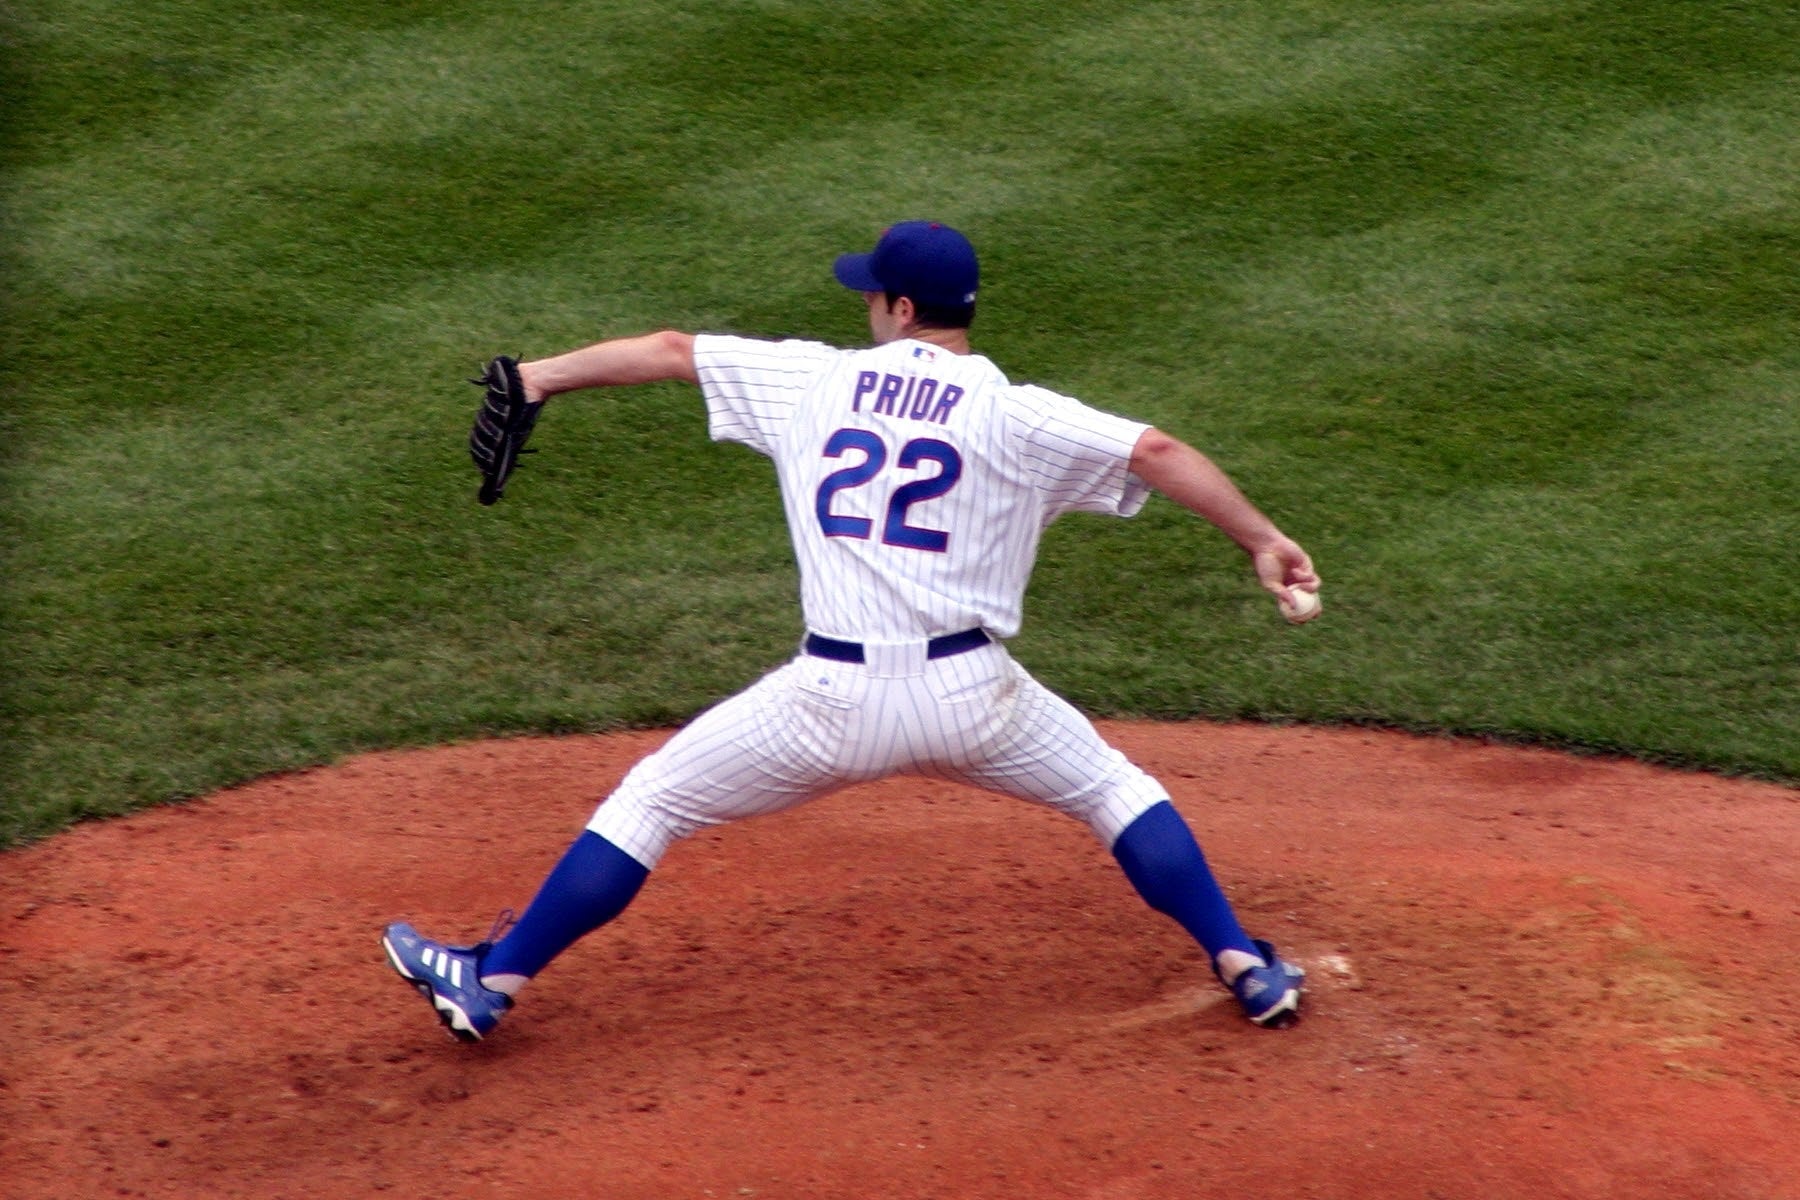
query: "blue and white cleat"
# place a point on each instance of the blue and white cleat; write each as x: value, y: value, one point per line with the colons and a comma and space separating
x: 450, y: 978
x: 1270, y: 995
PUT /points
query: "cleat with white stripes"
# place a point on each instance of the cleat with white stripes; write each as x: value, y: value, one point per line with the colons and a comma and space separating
x: 449, y: 977
x: 1270, y: 994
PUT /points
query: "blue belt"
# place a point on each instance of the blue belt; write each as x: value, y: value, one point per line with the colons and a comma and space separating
x: 938, y: 647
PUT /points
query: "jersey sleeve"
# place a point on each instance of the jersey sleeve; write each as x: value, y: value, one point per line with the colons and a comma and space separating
x: 1078, y: 457
x: 751, y: 386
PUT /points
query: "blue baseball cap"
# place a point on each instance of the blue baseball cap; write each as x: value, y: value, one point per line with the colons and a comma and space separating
x: 924, y: 261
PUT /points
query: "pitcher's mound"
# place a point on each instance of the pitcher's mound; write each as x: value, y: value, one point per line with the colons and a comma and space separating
x: 1530, y: 976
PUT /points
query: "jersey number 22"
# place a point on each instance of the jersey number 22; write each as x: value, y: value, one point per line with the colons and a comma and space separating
x: 894, y: 530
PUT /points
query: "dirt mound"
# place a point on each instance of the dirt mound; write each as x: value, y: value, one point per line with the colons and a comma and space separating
x: 1531, y: 976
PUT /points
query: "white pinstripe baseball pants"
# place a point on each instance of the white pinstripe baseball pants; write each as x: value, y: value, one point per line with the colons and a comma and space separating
x: 815, y: 725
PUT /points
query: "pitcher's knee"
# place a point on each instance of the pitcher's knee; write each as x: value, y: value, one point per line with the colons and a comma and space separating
x: 1113, y: 809
x: 642, y: 829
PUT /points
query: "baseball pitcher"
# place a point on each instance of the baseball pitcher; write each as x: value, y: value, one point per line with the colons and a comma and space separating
x: 917, y: 481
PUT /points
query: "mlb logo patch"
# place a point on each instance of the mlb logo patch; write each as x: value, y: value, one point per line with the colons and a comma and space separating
x: 924, y: 352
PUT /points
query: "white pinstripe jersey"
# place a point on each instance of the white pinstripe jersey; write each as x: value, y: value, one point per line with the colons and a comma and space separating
x: 917, y: 482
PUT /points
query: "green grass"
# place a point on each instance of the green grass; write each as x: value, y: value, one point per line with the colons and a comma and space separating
x: 1493, y: 305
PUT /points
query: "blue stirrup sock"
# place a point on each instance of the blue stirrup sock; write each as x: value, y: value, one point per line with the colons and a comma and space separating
x: 1164, y: 863
x: 593, y: 883
x: 596, y: 881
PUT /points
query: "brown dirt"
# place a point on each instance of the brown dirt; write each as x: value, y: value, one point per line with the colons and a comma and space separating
x: 1532, y: 976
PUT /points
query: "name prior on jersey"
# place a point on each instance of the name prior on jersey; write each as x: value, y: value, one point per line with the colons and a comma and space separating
x: 919, y: 397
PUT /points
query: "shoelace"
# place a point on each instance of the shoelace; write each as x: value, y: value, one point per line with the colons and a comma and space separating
x: 502, y: 923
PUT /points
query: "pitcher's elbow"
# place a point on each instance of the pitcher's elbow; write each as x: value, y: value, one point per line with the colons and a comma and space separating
x: 1153, y: 448
x: 675, y: 350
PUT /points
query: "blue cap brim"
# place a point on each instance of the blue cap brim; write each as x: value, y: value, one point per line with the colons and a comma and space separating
x: 853, y: 271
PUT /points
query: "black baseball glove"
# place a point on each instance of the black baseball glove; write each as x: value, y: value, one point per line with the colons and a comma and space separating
x: 502, y: 426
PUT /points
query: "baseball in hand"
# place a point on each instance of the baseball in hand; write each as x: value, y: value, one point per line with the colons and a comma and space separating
x: 1303, y: 607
